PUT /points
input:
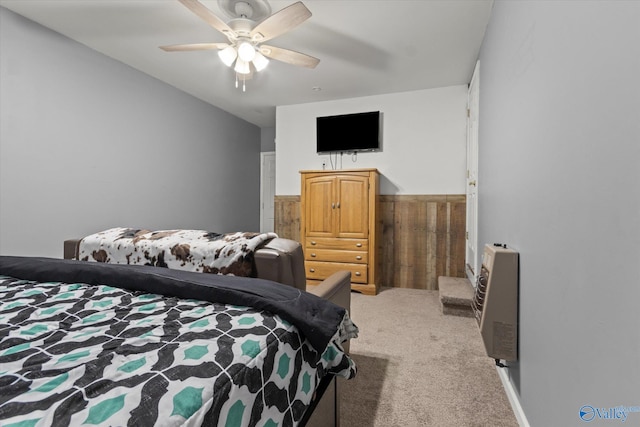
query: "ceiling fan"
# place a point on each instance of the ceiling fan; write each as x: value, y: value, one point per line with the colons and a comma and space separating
x: 251, y: 24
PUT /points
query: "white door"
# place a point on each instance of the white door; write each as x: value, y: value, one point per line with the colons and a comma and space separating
x: 267, y: 190
x: 472, y: 175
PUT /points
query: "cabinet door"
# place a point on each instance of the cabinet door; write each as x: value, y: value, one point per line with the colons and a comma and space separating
x: 352, y: 207
x: 320, y: 206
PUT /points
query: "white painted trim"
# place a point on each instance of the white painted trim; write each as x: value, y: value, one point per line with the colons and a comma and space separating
x: 263, y: 155
x: 472, y: 268
x: 513, y: 397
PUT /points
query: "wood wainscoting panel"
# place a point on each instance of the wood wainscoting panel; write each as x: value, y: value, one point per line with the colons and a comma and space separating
x: 287, y: 217
x: 422, y: 236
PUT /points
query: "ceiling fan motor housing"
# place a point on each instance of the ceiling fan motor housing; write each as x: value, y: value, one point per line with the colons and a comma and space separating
x: 242, y: 27
x: 256, y: 10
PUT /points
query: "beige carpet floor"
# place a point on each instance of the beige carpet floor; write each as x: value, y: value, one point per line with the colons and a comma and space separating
x: 418, y: 367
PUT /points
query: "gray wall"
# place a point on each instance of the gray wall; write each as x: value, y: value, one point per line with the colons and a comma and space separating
x: 423, y: 141
x: 88, y: 143
x: 559, y: 169
x: 268, y: 139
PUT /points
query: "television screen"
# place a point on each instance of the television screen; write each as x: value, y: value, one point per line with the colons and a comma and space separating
x: 348, y: 132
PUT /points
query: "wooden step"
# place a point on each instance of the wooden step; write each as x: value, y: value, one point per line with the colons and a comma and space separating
x: 456, y: 295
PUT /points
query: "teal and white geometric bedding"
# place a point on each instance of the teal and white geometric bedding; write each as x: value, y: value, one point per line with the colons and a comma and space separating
x: 77, y: 354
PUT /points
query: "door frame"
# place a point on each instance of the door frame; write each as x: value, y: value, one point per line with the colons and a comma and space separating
x: 265, y: 156
x: 473, y: 112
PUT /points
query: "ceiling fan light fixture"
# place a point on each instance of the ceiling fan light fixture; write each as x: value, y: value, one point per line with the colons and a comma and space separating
x: 246, y: 51
x: 228, y: 55
x: 260, y: 61
x: 251, y: 24
x: 242, y: 67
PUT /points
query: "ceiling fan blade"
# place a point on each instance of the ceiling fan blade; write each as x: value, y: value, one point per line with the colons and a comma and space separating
x: 209, y: 17
x: 280, y: 22
x: 193, y: 46
x: 289, y: 56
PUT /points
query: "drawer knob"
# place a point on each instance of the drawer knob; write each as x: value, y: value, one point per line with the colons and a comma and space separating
x: 313, y: 270
x: 358, y: 273
x: 313, y: 242
x: 313, y: 255
x: 358, y: 257
x: 359, y: 245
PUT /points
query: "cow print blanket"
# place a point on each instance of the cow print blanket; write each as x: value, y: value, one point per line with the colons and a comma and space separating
x: 190, y: 250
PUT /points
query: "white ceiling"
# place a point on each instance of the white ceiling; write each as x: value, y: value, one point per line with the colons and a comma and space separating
x: 365, y: 47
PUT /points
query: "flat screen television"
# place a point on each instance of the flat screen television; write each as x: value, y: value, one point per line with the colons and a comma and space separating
x: 348, y: 132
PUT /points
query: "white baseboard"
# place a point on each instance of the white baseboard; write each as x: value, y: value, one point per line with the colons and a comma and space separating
x: 513, y: 397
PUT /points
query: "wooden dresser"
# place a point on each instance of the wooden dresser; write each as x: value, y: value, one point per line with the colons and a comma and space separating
x: 338, y: 225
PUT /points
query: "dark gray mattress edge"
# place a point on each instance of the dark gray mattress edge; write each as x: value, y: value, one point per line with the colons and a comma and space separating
x: 318, y: 320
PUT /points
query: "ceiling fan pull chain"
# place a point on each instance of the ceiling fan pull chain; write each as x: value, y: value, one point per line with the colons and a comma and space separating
x: 244, y: 88
x: 236, y: 80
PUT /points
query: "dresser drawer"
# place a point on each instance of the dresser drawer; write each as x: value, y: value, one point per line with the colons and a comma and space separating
x: 341, y: 244
x: 318, y: 270
x: 358, y: 257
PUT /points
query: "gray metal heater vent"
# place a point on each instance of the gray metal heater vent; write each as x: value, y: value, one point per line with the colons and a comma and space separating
x: 495, y: 303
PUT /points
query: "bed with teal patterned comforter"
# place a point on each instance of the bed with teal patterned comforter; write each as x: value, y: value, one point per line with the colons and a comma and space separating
x: 82, y: 352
